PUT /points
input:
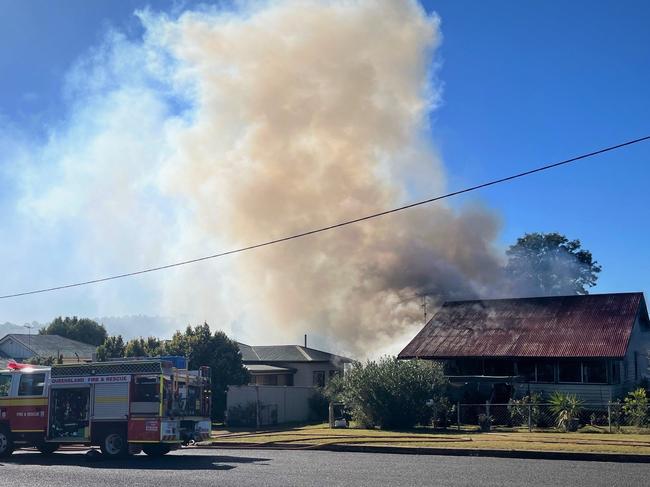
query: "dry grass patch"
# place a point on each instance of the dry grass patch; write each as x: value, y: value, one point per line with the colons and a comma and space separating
x: 320, y: 435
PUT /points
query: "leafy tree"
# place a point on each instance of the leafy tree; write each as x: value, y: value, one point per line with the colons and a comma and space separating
x: 549, y: 264
x: 80, y: 329
x: 144, y: 347
x: 391, y: 393
x: 113, y: 347
x: 217, y: 351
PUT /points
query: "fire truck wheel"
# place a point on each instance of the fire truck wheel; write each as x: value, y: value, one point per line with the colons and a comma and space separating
x: 115, y: 445
x: 156, y: 450
x: 6, y: 445
x: 47, y: 448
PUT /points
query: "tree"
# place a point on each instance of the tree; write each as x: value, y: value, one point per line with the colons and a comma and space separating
x: 217, y: 351
x: 144, y: 347
x: 391, y: 393
x: 549, y: 264
x: 113, y: 347
x: 80, y: 329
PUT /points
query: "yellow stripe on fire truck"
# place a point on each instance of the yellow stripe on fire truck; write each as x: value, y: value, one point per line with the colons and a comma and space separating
x: 40, y: 401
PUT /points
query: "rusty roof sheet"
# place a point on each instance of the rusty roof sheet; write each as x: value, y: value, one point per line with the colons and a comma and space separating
x: 594, y: 325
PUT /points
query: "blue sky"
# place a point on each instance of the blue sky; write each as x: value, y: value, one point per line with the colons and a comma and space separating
x: 528, y: 83
x: 524, y: 84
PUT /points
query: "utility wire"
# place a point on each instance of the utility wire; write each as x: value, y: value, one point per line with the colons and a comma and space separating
x: 337, y: 225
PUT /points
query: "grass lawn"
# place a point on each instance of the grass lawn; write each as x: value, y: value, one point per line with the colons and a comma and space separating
x: 309, y: 436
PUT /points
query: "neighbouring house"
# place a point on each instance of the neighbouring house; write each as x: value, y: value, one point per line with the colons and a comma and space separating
x: 284, y: 379
x: 290, y: 365
x: 595, y: 346
x: 21, y: 347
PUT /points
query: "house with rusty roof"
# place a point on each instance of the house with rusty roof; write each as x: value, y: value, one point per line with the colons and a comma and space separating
x: 290, y: 365
x: 21, y: 346
x: 595, y: 346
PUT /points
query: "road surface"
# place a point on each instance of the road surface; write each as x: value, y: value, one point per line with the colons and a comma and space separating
x: 194, y: 467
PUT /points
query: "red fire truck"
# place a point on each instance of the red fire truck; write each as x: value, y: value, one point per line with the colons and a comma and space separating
x: 122, y: 406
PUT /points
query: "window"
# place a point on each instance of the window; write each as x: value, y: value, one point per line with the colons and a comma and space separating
x: 545, y: 372
x: 147, y: 389
x: 526, y: 370
x: 5, y: 384
x: 499, y: 367
x: 570, y: 371
x: 595, y: 372
x: 267, y: 380
x: 470, y: 367
x: 319, y: 378
x: 31, y: 385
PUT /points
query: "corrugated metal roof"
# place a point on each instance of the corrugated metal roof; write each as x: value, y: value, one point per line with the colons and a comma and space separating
x: 594, y: 325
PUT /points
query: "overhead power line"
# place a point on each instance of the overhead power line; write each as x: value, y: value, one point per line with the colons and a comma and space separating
x: 337, y: 225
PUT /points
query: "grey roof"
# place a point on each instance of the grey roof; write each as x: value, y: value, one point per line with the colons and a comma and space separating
x: 287, y: 353
x: 52, y: 345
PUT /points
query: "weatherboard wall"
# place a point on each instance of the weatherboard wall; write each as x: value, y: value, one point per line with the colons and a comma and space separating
x: 14, y: 349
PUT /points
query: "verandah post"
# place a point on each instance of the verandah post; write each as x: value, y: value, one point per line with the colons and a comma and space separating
x: 458, y: 415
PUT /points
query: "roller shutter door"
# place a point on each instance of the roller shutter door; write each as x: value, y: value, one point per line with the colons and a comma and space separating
x: 111, y: 401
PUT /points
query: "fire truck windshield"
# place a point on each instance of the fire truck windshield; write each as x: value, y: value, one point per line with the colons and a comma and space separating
x: 31, y: 384
x: 5, y: 384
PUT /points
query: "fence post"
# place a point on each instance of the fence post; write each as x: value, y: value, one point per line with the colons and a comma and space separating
x: 487, y: 408
x: 257, y: 407
x: 458, y: 415
x: 609, y: 415
x: 530, y: 418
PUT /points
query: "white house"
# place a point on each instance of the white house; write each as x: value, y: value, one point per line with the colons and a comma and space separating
x: 20, y: 347
x: 290, y: 365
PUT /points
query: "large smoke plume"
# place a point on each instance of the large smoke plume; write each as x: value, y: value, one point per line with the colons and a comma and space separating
x: 222, y: 129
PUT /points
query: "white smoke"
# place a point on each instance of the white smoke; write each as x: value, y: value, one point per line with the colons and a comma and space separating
x: 222, y: 129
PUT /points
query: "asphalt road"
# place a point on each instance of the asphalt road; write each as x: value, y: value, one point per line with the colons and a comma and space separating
x: 285, y: 468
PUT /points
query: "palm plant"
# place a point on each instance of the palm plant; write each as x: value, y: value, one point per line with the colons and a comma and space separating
x: 566, y: 408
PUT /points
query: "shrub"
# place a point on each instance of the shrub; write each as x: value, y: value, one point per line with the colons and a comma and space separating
x: 566, y: 408
x: 444, y: 413
x: 243, y: 415
x: 391, y: 393
x: 518, y: 409
x: 635, y: 407
x: 485, y: 421
x: 318, y: 406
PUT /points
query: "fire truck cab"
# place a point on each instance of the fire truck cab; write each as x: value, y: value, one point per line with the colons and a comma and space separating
x: 123, y: 406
